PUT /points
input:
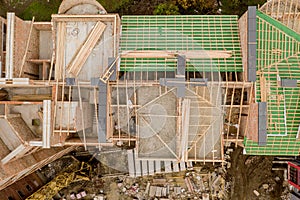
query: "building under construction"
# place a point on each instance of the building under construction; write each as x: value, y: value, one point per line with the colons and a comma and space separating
x: 172, y: 88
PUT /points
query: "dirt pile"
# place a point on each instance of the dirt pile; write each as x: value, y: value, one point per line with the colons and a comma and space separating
x: 251, y: 177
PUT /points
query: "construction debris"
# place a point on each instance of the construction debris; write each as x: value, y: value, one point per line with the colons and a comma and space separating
x: 190, y: 184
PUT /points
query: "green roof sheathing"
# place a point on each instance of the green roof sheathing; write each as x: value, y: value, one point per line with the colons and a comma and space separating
x: 278, y: 57
x: 181, y: 33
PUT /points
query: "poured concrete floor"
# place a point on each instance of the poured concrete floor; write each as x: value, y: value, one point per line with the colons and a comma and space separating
x: 157, y: 125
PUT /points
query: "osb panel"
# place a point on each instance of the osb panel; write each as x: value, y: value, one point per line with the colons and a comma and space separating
x: 19, y: 126
x: 22, y: 29
x: 243, y: 37
x: 3, y: 149
x: 252, y: 129
x: 243, y: 124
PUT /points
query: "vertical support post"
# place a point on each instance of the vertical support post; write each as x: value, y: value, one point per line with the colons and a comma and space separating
x: 9, y: 65
x: 46, y: 123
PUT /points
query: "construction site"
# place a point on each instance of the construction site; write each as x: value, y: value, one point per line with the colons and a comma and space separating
x: 155, y: 103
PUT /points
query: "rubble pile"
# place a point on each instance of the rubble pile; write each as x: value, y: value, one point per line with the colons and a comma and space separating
x: 193, y: 184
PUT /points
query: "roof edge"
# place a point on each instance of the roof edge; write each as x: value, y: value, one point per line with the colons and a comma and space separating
x: 279, y: 25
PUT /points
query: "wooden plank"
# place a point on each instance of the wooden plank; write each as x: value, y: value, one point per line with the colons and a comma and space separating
x: 18, y: 81
x: 82, y: 18
x: 243, y: 29
x: 185, y: 126
x: 39, y: 61
x: 263, y: 90
x: 173, y: 54
x: 83, y: 52
x: 13, y: 154
x: 46, y: 123
x: 20, y: 102
x: 10, y: 39
x: 108, y: 71
x: 31, y: 97
x: 240, y: 116
x: 189, y: 184
x: 60, y: 50
x: 252, y: 128
x: 82, y: 116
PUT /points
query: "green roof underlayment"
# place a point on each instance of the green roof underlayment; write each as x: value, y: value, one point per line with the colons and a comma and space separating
x: 278, y: 57
x: 181, y: 33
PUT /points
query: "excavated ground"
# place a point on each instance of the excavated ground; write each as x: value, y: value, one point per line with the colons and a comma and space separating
x: 249, y: 173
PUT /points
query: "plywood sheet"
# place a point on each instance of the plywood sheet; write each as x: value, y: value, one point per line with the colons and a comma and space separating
x: 252, y: 129
x: 22, y: 29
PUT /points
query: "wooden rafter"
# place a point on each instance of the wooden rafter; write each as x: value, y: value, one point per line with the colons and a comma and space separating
x: 173, y: 54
